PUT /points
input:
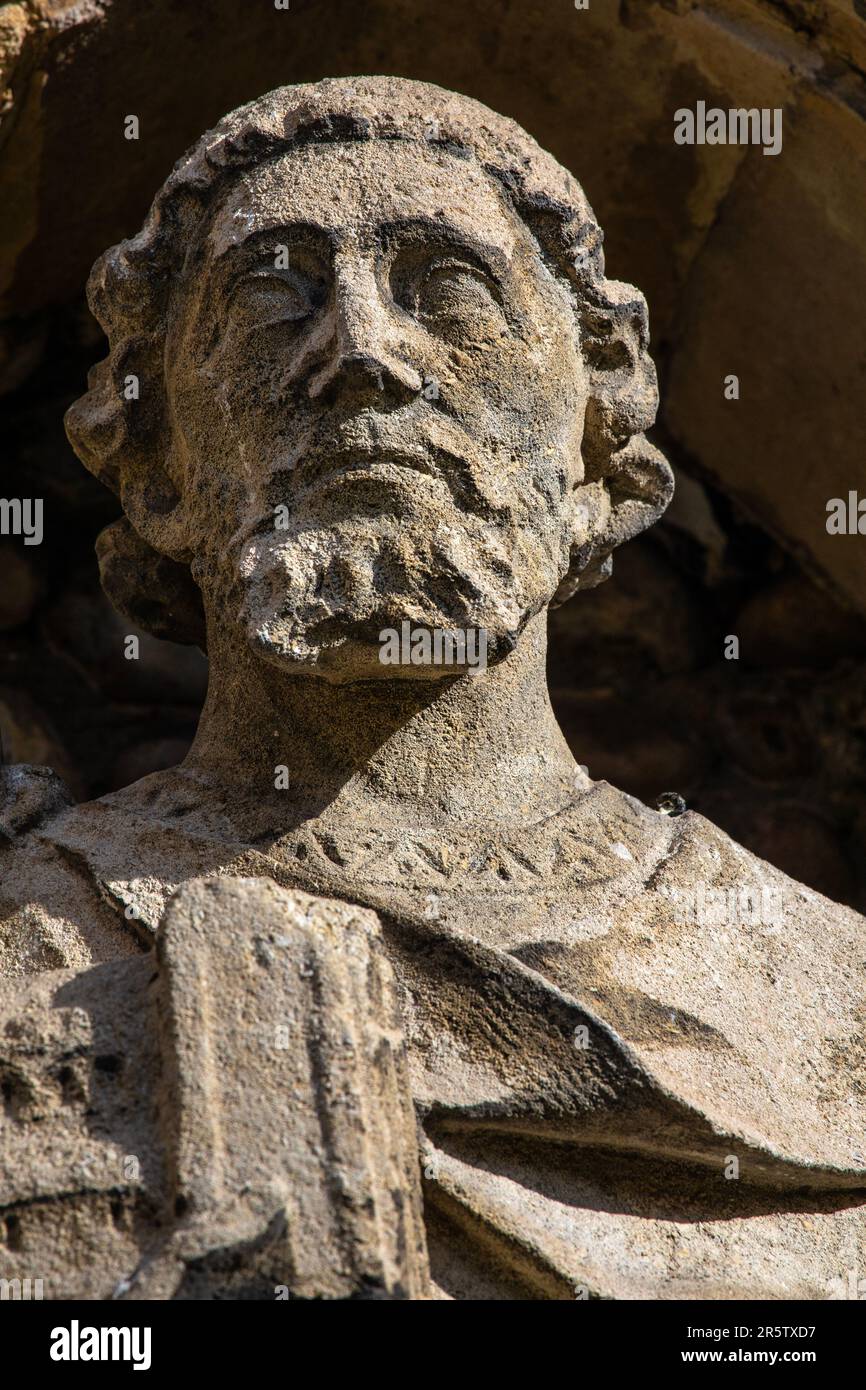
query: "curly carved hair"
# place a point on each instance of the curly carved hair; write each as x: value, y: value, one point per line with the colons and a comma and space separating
x: 130, y: 288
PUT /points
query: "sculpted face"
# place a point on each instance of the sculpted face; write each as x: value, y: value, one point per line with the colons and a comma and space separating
x: 377, y: 401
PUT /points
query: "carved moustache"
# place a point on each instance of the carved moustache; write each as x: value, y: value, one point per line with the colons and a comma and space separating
x: 491, y: 486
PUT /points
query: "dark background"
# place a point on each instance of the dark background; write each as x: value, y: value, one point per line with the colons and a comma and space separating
x: 752, y: 265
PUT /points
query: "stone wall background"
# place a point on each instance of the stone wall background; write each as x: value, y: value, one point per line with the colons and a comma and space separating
x: 752, y: 265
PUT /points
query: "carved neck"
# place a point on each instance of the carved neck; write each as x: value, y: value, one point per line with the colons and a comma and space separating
x: 476, y: 748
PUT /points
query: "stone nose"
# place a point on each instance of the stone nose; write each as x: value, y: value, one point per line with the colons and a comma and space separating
x: 362, y: 351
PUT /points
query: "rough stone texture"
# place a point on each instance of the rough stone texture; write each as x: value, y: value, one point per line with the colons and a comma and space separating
x: 693, y: 226
x: 749, y: 264
x: 579, y: 975
x: 248, y: 1122
x: 289, y: 1096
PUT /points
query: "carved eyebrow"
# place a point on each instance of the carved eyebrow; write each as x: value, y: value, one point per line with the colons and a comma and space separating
x: 447, y: 234
x: 300, y: 234
x: 310, y: 235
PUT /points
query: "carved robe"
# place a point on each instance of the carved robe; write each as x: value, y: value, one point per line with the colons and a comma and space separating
x: 618, y: 1093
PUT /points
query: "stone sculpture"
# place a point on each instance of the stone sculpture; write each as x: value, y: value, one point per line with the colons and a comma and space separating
x: 378, y: 994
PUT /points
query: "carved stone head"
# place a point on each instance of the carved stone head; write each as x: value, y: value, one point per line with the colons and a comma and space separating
x: 365, y: 367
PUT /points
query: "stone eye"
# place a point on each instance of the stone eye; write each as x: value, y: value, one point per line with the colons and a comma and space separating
x: 452, y: 287
x: 445, y: 289
x: 285, y: 296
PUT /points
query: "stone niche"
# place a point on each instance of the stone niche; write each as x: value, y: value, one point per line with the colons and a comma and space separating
x: 752, y: 266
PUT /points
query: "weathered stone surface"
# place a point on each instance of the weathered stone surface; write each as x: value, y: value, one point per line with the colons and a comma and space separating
x: 708, y: 232
x: 28, y: 796
x: 237, y: 1118
x: 598, y: 88
x: 78, y: 1060
x: 798, y: 221
x: 166, y: 601
x: 290, y: 1103
x: 579, y: 976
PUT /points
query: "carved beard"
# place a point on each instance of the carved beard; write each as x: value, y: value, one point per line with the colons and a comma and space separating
x: 319, y: 595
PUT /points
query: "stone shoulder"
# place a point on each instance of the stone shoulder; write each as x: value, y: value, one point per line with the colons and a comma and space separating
x: 53, y: 915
